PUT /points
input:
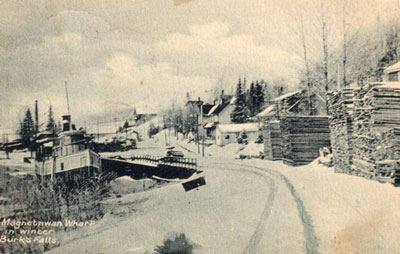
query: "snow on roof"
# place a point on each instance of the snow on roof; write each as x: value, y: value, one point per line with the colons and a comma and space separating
x: 282, y: 97
x: 388, y: 85
x: 209, y: 125
x: 267, y: 111
x: 212, y: 110
x: 393, y: 68
x: 238, y: 127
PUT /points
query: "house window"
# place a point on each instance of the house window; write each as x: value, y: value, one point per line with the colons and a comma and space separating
x: 227, y: 137
x: 62, y: 165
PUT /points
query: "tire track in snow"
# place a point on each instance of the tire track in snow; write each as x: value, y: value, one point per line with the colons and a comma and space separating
x: 311, y: 241
x: 308, y: 229
x: 256, y: 236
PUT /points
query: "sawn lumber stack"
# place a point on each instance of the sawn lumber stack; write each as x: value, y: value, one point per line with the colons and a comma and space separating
x: 341, y: 127
x: 303, y: 137
x: 272, y: 140
x: 375, y: 136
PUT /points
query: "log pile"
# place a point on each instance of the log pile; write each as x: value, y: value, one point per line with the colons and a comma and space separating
x: 364, y: 141
x: 341, y: 129
x: 302, y: 138
x: 387, y: 156
x: 375, y: 135
x: 272, y: 140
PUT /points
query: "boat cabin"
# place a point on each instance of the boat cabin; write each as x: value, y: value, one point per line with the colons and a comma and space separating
x: 67, y: 154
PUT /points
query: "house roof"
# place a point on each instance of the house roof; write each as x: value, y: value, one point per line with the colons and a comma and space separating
x: 267, y: 112
x: 218, y: 108
x: 393, y: 68
x: 285, y: 96
x: 197, y: 102
x: 207, y: 108
x: 249, y: 127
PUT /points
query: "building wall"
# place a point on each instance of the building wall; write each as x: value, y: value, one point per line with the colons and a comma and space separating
x: 205, y: 120
x: 63, y: 164
x: 224, y: 117
x: 224, y: 138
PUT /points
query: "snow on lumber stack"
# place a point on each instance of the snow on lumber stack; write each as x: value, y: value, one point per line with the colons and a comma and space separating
x: 387, y: 156
x: 340, y: 125
x: 364, y: 141
x: 375, y: 132
x: 302, y: 138
x: 272, y: 140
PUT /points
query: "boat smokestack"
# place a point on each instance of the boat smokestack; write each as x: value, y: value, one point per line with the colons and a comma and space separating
x: 66, y: 122
x: 36, y: 117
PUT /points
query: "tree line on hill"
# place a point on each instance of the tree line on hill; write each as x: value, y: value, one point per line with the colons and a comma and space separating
x: 27, y: 129
x: 340, y: 45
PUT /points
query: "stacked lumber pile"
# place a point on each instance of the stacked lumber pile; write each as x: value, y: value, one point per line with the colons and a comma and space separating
x: 387, y: 156
x: 272, y: 140
x: 364, y: 141
x: 341, y: 129
x: 375, y: 131
x: 302, y: 138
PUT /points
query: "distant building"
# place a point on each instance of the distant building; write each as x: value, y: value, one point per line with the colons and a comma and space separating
x: 392, y: 73
x: 229, y: 133
x: 293, y: 103
x: 220, y: 113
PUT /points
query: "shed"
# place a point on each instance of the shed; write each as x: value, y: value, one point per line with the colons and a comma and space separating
x: 228, y: 133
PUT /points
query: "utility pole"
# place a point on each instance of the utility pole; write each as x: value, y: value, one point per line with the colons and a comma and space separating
x: 36, y: 118
x: 197, y: 131
x: 202, y: 131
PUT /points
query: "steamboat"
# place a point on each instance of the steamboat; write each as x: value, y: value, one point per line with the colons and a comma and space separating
x: 66, y: 155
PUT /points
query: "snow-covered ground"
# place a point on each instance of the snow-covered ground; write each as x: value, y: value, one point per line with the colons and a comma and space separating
x: 16, y: 162
x: 348, y: 214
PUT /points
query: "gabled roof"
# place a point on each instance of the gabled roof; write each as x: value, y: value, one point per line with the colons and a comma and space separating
x: 393, y: 68
x: 268, y: 111
x: 218, y: 108
x: 207, y: 108
x: 285, y: 96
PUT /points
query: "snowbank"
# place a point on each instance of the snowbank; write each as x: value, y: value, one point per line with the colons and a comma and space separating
x: 16, y: 162
x: 350, y: 214
x: 126, y: 185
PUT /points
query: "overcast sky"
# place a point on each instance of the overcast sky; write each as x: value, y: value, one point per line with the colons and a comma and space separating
x: 138, y: 53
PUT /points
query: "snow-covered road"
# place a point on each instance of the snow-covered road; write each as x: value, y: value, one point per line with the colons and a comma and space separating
x: 241, y: 210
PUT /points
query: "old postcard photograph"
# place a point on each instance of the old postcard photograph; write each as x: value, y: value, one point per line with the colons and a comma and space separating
x: 199, y: 126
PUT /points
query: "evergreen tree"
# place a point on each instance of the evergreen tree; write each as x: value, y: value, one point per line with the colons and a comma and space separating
x: 251, y: 99
x: 239, y: 114
x: 259, y: 97
x: 27, y: 129
x: 266, y: 91
x: 51, y: 124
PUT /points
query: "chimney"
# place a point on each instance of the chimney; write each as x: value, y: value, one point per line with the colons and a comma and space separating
x: 66, y: 122
x: 222, y: 97
x: 36, y: 117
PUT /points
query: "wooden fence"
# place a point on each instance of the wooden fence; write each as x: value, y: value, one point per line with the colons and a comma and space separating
x: 189, y: 163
